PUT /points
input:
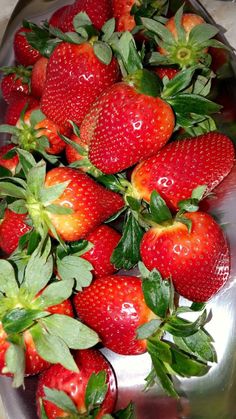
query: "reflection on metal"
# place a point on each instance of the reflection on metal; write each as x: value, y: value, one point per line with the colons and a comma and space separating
x: 208, y: 397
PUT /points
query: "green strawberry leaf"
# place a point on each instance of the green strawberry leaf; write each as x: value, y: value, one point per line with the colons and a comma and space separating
x: 74, y: 333
x: 158, y: 209
x: 4, y: 172
x: 157, y: 293
x: 180, y: 82
x: 162, y: 376
x: 108, y: 29
x: 127, y: 253
x: 202, y: 33
x: 40, y: 38
x: 185, y: 103
x: 52, y: 348
x: 50, y: 194
x: 127, y: 413
x: 8, y: 129
x: 181, y: 327
x: 59, y: 209
x: 158, y: 29
x: 185, y: 366
x: 181, y: 34
x: 77, y: 147
x: 33, y: 239
x: 103, y: 52
x: 36, y: 178
x: 125, y: 49
x: 20, y: 319
x: 192, y: 204
x: 3, y: 207
x: 96, y: 390
x: 76, y: 268
x: 148, y: 329
x: 55, y: 293
x: 8, y: 283
x: 9, y: 189
x: 36, y: 116
x: 60, y: 399
x: 159, y: 349
x: 76, y: 248
x: 18, y: 206
x: 134, y: 204
x: 15, y: 363
x: 198, y: 344
x: 199, y: 192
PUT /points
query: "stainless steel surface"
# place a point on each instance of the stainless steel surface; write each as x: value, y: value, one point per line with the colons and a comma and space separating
x: 209, y: 397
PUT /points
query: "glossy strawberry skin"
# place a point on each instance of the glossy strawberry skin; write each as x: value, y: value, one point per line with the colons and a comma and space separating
x: 74, y: 384
x: 75, y: 78
x: 121, y: 11
x: 10, y: 83
x: 24, y: 53
x: 124, y: 127
x: 12, y: 227
x: 198, y: 262
x: 92, y: 203
x: 98, y: 12
x: 114, y: 307
x: 56, y: 16
x: 9, y: 164
x: 16, y: 105
x: 38, y: 77
x: 182, y: 165
x: 104, y: 240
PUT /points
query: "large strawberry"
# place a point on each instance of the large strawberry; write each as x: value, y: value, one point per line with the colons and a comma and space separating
x: 25, y: 54
x: 182, y: 165
x: 57, y: 384
x: 31, y: 335
x: 15, y: 79
x: 191, y: 249
x: 8, y: 163
x: 12, y: 227
x: 77, y: 74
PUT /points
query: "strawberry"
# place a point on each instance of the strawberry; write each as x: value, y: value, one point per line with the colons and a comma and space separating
x: 15, y: 79
x: 126, y: 127
x: 169, y: 72
x: 75, y: 77
x: 35, y: 132
x: 12, y: 227
x: 11, y: 163
x: 198, y: 268
x: 56, y: 16
x: 24, y: 53
x: 114, y: 306
x: 98, y: 13
x: 182, y: 165
x: 92, y: 367
x: 104, y: 240
x: 38, y: 77
x: 32, y: 314
x: 72, y: 155
x: 16, y: 105
x: 121, y: 11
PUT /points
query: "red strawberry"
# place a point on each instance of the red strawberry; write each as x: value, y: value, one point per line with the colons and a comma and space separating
x: 11, y: 163
x: 56, y: 16
x: 38, y: 77
x: 16, y: 79
x: 114, y: 306
x: 169, y: 72
x: 75, y: 78
x: 198, y: 261
x: 73, y: 155
x: 99, y: 13
x: 91, y: 203
x: 12, y: 227
x: 182, y: 165
x: 125, y: 126
x: 104, y: 240
x: 16, y: 105
x: 74, y: 384
x: 24, y: 53
x: 121, y: 11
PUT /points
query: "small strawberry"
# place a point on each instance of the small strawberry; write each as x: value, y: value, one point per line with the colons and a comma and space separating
x: 12, y: 227
x: 95, y: 376
x: 182, y: 165
x: 198, y: 267
x: 24, y: 53
x: 56, y: 16
x: 72, y: 154
x: 38, y: 77
x: 15, y: 79
x: 10, y: 163
x: 121, y: 11
x: 98, y: 14
x: 35, y: 132
x: 169, y: 72
x: 17, y: 104
x: 104, y: 240
x: 32, y: 315
x: 114, y: 306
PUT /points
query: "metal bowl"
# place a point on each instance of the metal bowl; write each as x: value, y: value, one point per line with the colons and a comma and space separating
x: 208, y: 397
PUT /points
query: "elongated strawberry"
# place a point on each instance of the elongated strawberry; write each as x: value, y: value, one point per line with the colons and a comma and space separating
x: 31, y: 317
x: 183, y: 165
x: 35, y: 132
x: 95, y: 374
x: 17, y: 104
x: 11, y: 163
x: 12, y: 227
x: 24, y: 53
x: 38, y: 77
x: 104, y: 240
x: 114, y: 306
x: 15, y: 79
x: 98, y: 13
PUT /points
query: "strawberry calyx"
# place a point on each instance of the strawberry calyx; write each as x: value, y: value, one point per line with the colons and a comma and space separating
x: 145, y: 82
x: 178, y: 355
x: 25, y: 300
x: 19, y: 72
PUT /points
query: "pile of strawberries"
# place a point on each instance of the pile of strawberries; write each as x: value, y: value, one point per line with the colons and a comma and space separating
x: 111, y: 149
